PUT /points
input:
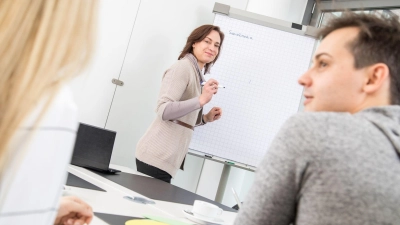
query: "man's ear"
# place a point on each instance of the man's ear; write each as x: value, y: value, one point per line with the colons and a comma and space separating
x: 377, y: 77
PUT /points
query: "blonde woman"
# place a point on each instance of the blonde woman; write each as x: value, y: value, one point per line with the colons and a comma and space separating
x: 43, y: 43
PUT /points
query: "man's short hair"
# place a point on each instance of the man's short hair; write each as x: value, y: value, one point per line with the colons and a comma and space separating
x: 377, y: 42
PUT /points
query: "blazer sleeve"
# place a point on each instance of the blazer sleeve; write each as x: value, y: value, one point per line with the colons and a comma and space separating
x: 174, y: 83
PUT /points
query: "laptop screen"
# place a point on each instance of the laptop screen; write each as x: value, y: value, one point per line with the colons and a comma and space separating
x: 93, y: 147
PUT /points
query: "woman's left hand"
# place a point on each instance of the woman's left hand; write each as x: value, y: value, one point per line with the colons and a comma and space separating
x: 214, y: 114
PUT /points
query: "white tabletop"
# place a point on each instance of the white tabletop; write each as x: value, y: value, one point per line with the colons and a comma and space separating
x: 112, y: 201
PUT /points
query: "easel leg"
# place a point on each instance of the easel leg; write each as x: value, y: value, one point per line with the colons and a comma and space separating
x: 222, y: 183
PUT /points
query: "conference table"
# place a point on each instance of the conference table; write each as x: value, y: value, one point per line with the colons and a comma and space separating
x: 111, y: 196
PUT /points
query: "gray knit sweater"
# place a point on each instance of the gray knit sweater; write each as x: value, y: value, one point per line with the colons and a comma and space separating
x: 330, y: 168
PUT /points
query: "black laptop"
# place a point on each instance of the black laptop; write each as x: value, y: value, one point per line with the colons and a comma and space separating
x: 93, y: 148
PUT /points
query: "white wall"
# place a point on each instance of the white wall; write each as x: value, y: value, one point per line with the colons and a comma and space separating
x: 93, y: 90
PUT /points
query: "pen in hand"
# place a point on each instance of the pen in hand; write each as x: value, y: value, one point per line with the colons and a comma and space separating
x: 219, y: 86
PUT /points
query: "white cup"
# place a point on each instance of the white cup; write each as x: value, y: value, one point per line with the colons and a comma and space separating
x: 205, y: 210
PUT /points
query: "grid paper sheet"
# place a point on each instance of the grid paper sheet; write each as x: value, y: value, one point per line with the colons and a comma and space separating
x: 259, y: 66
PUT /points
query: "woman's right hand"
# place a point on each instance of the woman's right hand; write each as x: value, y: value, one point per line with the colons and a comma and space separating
x: 73, y: 211
x: 210, y: 88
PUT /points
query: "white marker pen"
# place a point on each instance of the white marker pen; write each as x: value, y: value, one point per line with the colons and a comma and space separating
x: 219, y: 86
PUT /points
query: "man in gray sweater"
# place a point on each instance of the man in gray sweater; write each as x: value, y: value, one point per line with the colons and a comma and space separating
x: 339, y: 162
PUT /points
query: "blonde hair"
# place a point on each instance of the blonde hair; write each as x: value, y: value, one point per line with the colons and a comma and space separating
x: 43, y: 43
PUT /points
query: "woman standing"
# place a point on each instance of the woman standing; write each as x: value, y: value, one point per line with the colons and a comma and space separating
x: 162, y: 149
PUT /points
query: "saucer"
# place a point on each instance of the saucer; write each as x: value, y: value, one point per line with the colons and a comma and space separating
x: 215, y: 221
